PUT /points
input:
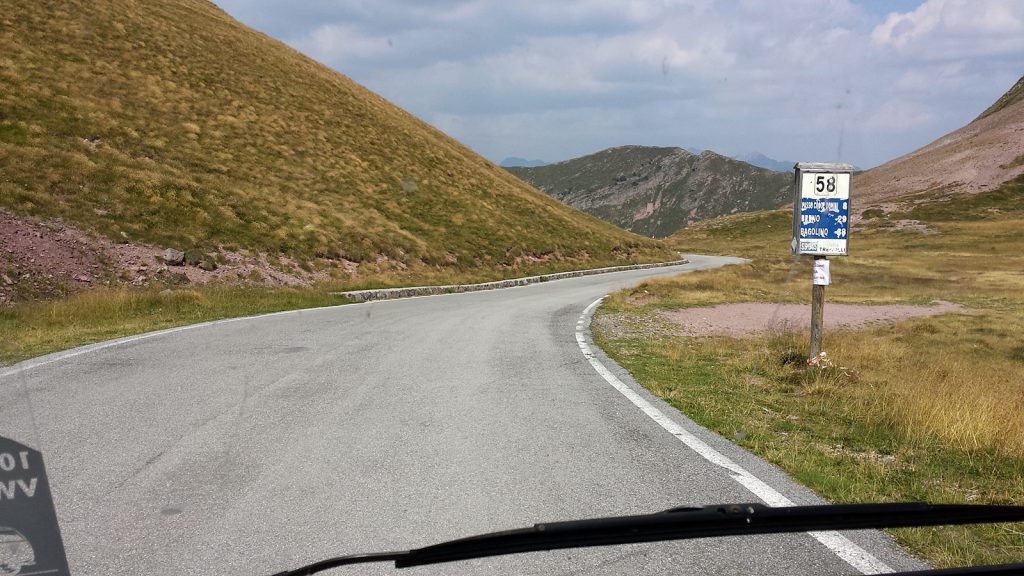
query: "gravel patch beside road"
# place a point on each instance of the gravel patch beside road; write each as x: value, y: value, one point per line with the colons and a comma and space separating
x: 749, y: 318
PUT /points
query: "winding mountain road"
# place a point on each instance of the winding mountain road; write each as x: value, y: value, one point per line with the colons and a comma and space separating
x: 255, y: 445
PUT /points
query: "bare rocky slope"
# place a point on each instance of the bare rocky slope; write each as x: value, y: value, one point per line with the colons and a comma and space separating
x: 980, y: 156
x: 657, y: 191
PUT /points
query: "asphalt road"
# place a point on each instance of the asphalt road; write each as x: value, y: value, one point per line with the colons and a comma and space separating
x: 256, y: 445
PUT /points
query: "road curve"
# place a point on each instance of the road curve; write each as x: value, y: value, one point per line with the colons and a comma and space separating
x: 256, y: 445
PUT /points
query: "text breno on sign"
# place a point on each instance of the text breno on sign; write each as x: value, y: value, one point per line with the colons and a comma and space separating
x: 821, y: 214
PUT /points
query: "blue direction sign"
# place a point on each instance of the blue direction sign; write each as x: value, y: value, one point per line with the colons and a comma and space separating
x: 821, y: 215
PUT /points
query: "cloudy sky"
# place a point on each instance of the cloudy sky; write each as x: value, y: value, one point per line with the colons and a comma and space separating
x: 798, y: 80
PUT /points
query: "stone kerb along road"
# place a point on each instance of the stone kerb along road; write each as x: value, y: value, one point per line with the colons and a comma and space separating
x: 392, y: 293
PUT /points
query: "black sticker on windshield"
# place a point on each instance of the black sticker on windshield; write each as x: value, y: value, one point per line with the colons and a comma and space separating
x: 30, y: 541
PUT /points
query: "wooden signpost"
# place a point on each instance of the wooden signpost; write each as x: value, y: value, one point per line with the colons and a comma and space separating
x: 821, y: 219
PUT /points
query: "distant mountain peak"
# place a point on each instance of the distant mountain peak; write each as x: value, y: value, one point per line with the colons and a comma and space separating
x: 760, y: 160
x: 516, y: 161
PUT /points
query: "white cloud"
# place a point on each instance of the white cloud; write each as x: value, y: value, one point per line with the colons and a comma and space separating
x: 464, y: 12
x: 928, y: 78
x: 941, y: 28
x: 339, y: 43
x: 898, y: 116
x: 898, y: 29
x: 530, y: 78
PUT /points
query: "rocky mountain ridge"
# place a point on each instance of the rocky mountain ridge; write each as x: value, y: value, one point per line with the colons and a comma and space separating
x: 655, y: 191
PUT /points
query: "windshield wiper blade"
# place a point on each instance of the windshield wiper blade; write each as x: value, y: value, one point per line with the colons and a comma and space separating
x: 688, y: 523
x: 709, y: 521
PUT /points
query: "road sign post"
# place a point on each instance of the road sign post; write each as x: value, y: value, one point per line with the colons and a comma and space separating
x: 821, y: 220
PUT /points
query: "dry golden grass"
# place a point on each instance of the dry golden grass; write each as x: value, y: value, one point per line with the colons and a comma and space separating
x: 960, y: 392
x: 36, y: 328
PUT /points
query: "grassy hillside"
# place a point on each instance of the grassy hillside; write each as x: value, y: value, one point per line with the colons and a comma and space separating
x: 920, y: 409
x: 657, y: 191
x: 169, y: 123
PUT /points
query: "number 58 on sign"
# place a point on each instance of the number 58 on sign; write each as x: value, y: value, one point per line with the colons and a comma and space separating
x: 821, y: 213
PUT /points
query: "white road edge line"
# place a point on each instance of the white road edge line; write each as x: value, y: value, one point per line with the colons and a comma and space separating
x: 840, y: 545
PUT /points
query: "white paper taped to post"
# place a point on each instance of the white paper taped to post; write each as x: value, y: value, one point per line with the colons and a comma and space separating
x: 821, y: 275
